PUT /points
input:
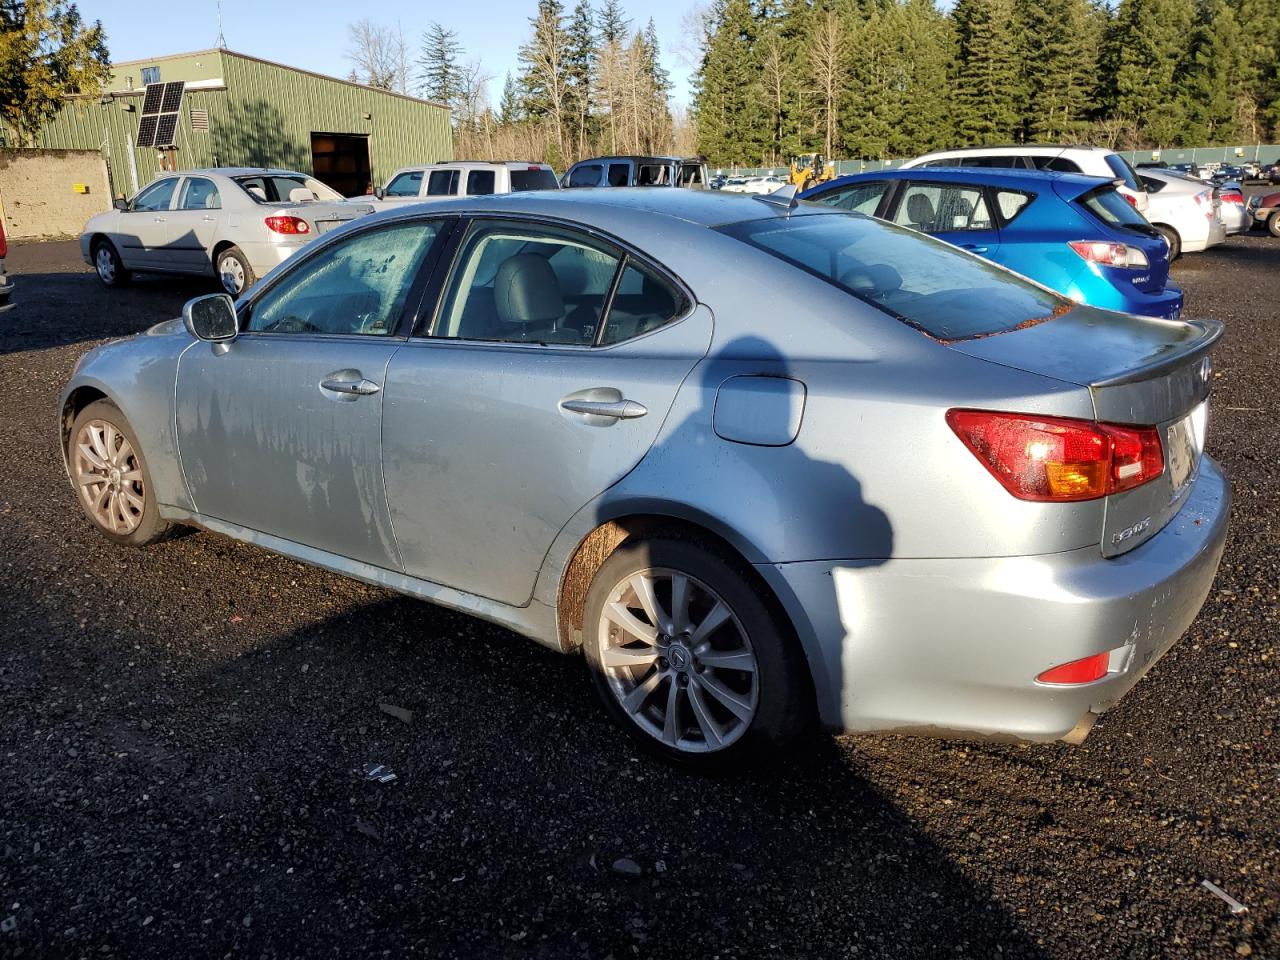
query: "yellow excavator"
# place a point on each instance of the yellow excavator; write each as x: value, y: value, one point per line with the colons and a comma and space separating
x: 810, y: 169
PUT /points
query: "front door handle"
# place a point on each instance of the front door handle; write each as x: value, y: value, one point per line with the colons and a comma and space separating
x: 613, y: 409
x: 974, y: 248
x: 351, y: 388
x: 161, y: 220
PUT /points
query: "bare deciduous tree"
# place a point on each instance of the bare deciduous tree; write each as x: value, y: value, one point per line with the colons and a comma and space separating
x: 827, y: 56
x: 380, y: 55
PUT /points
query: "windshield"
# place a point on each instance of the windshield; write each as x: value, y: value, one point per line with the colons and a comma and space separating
x: 275, y: 188
x: 919, y: 280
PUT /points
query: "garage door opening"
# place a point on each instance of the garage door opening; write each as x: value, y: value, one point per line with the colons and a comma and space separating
x: 342, y: 161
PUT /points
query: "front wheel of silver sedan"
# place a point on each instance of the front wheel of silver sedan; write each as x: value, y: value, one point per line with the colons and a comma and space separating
x: 108, y: 265
x: 111, y: 479
x: 690, y: 660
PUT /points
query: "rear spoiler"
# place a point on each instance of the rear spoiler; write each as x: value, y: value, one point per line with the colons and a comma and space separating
x: 1184, y: 354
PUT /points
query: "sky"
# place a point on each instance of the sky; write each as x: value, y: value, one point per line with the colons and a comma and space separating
x: 312, y: 34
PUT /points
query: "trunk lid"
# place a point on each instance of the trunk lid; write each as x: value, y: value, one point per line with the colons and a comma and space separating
x: 322, y: 215
x: 1139, y: 371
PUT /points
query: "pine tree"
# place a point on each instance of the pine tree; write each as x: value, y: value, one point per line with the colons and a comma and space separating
x: 614, y: 25
x: 658, y: 91
x: 987, y: 78
x: 1146, y: 52
x: 1059, y: 46
x: 1215, y: 87
x: 731, y: 125
x: 927, y: 43
x: 438, y: 65
x: 509, y: 110
x: 580, y: 56
x: 544, y: 80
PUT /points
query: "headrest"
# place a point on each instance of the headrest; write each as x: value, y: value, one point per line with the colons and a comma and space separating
x: 872, y: 279
x: 301, y: 195
x: 525, y: 290
x: 919, y: 208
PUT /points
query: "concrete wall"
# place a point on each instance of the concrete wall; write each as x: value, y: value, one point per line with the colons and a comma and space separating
x: 38, y: 191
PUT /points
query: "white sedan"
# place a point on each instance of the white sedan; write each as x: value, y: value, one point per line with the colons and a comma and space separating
x: 235, y: 223
x: 1184, y: 210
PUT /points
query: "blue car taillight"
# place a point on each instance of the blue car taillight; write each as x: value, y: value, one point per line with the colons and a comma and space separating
x: 1109, y: 254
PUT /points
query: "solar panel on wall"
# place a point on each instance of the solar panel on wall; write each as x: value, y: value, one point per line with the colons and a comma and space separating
x: 160, y: 110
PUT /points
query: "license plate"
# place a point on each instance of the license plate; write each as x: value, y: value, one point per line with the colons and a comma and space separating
x: 324, y: 226
x: 1182, y: 450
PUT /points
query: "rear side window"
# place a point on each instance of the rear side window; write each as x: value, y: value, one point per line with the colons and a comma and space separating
x: 1000, y: 162
x: 942, y: 208
x: 479, y: 182
x: 643, y: 302
x: 200, y: 194
x: 1107, y: 205
x: 690, y: 175
x: 442, y: 183
x: 921, y: 281
x: 1056, y: 164
x: 1120, y: 167
x: 407, y: 184
x: 857, y: 197
x: 619, y: 174
x: 587, y: 175
x: 539, y: 179
x: 653, y: 175
x: 1010, y: 203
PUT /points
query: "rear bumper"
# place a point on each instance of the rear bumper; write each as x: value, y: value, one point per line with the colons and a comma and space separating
x: 1113, y: 289
x: 953, y: 646
x: 263, y: 255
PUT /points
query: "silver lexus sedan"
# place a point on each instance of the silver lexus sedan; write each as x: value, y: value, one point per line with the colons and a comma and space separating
x: 764, y: 463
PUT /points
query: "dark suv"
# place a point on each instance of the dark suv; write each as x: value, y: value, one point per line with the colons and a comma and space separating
x: 637, y: 171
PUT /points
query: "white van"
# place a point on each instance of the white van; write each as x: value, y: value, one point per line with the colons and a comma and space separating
x: 464, y: 178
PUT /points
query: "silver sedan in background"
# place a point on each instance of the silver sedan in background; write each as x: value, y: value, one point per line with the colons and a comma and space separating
x: 764, y: 463
x: 235, y: 223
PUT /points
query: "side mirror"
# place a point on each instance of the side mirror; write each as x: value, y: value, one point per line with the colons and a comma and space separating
x: 379, y: 192
x: 211, y: 318
x: 120, y: 203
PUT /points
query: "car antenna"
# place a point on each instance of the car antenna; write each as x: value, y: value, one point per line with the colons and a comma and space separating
x: 784, y: 197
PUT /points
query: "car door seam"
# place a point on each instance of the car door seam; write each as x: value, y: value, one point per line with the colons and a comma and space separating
x: 382, y: 454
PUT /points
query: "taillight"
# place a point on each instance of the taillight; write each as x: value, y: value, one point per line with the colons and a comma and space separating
x: 1232, y: 196
x: 1084, y: 670
x: 1133, y: 201
x: 4, y: 244
x: 1205, y: 200
x: 1111, y: 254
x: 289, y: 225
x: 1057, y: 458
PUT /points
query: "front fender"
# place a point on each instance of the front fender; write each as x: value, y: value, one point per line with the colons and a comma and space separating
x: 137, y: 374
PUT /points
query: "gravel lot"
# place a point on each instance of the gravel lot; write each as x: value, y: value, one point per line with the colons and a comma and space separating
x: 182, y: 731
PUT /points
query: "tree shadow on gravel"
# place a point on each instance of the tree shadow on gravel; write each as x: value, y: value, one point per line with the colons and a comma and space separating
x: 197, y: 760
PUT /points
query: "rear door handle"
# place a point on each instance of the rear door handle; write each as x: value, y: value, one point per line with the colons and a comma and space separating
x: 613, y: 409
x: 349, y: 387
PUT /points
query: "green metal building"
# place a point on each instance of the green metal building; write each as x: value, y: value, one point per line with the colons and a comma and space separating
x: 239, y: 110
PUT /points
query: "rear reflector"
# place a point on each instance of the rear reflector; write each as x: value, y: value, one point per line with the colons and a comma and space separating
x: 1110, y: 254
x: 1057, y: 459
x: 1084, y: 670
x: 289, y: 225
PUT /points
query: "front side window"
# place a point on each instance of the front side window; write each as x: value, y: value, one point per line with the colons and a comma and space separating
x: 357, y: 286
x: 619, y: 174
x: 199, y: 194
x: 442, y: 183
x: 521, y: 283
x: 858, y: 197
x: 407, y: 184
x: 942, y: 208
x: 480, y: 182
x: 923, y: 282
x: 158, y: 196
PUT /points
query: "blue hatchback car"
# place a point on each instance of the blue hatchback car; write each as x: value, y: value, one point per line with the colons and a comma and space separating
x: 1074, y: 234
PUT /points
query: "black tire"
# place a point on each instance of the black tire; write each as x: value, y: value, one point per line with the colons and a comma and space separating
x: 233, y: 258
x: 108, y: 265
x: 150, y: 527
x: 783, y: 693
x: 1173, y: 239
x: 1273, y: 224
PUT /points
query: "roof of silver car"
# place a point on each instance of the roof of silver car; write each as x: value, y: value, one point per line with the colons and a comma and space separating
x: 703, y: 207
x: 246, y: 171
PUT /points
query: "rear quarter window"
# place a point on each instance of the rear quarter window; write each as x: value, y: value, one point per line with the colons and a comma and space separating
x: 1107, y: 205
x: 538, y: 179
x: 923, y: 282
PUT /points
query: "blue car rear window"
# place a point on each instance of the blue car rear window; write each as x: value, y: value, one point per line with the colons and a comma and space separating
x: 921, y: 281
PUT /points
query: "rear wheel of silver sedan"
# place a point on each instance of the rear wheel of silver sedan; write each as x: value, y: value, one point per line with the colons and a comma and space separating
x: 111, y: 479
x: 108, y: 265
x: 1273, y: 224
x: 689, y: 659
x: 1172, y: 239
x: 234, y: 272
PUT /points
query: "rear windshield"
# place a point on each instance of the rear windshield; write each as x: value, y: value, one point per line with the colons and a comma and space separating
x: 1120, y: 167
x: 1109, y: 206
x: 539, y: 179
x: 919, y: 280
x: 275, y: 188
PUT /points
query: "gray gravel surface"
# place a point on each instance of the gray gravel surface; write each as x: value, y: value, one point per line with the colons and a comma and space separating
x: 184, y: 733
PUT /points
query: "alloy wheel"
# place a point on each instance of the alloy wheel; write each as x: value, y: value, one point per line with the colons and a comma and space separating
x: 109, y: 477
x: 105, y: 264
x: 678, y: 660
